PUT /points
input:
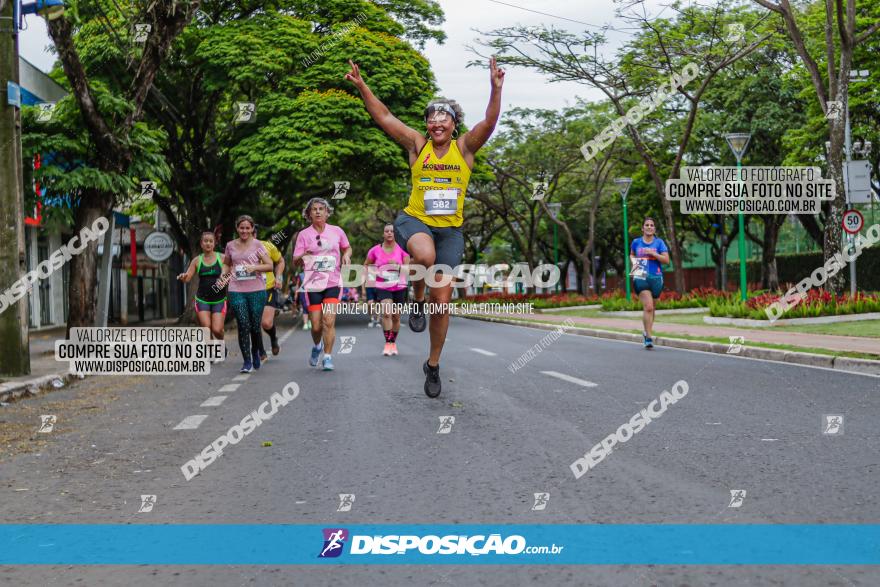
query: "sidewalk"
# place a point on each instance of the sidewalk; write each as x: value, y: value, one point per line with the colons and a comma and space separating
x: 46, y: 372
x: 830, y: 342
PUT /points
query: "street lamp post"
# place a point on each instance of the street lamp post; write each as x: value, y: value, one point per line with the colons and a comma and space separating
x: 554, y: 208
x: 739, y: 142
x: 623, y: 184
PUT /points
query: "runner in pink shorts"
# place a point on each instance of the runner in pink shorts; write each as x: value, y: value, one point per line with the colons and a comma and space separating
x: 387, y: 260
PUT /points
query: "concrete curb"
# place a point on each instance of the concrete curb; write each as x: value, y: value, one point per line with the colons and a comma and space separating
x: 638, y: 313
x: 852, y: 365
x: 751, y: 322
x: 567, y: 308
x: 14, y: 390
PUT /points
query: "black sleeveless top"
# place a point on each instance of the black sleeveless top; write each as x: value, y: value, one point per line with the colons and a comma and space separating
x: 208, y: 276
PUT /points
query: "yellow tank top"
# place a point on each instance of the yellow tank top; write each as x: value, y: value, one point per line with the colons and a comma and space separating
x: 441, y: 184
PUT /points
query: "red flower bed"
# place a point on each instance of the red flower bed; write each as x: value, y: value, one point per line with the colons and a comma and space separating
x: 546, y: 298
x: 815, y: 297
x: 708, y: 292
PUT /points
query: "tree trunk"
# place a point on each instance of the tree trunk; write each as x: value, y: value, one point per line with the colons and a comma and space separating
x: 674, y: 244
x: 833, y: 230
x: 82, y: 293
x: 769, y: 273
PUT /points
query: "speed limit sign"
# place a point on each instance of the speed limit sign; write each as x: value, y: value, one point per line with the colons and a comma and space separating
x: 853, y: 221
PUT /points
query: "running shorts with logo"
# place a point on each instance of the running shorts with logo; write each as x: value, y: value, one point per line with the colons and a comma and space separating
x: 319, y: 299
x: 275, y: 299
x: 653, y: 283
x: 448, y: 241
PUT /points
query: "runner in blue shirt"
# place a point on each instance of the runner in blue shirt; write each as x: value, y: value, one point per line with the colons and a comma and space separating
x: 648, y: 254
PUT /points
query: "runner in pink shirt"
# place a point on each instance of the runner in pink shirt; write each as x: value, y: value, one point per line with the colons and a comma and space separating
x: 323, y: 249
x: 386, y: 260
x: 244, y: 261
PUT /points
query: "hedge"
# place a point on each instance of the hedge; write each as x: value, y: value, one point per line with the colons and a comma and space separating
x: 794, y: 267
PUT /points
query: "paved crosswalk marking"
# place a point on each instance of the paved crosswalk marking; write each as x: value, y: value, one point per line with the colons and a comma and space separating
x: 484, y: 352
x: 242, y: 377
x: 190, y: 422
x: 570, y: 379
x: 213, y: 401
x: 229, y: 387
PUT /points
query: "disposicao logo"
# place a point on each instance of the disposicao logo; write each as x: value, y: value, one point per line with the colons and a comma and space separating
x: 334, y: 540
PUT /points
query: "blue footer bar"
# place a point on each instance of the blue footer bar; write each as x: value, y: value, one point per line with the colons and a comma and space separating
x: 276, y: 544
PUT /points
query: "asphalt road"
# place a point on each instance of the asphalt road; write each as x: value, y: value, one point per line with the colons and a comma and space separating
x: 368, y: 429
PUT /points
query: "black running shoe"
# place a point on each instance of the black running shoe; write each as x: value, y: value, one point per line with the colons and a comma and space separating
x: 432, y: 380
x: 417, y: 320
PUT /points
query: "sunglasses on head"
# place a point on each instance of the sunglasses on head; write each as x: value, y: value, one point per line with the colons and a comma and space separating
x: 439, y: 112
x: 439, y: 117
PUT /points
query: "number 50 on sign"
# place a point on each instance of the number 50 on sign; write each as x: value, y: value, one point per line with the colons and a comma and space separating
x: 853, y: 221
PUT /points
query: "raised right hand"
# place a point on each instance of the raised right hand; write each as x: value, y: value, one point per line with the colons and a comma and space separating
x: 354, y: 76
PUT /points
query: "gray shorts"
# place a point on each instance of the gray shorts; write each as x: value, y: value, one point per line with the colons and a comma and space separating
x: 448, y: 240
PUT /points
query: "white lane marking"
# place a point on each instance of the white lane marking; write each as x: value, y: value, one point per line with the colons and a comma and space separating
x: 769, y: 439
x: 212, y: 402
x: 570, y: 379
x: 737, y: 357
x: 190, y: 423
x: 229, y: 387
x: 484, y: 352
x: 286, y: 335
x: 242, y: 377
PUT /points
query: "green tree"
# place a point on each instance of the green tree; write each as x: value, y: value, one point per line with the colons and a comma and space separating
x: 825, y: 37
x: 662, y: 48
x: 110, y: 92
x: 309, y: 131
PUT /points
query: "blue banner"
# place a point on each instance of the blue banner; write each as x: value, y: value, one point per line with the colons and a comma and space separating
x: 629, y: 544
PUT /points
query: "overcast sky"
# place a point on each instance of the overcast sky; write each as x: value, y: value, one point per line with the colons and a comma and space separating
x: 469, y: 86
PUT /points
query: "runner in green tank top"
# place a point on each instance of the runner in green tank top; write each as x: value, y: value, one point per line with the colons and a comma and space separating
x: 210, y: 302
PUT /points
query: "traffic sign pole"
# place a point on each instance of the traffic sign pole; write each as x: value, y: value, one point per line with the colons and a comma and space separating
x: 848, y: 153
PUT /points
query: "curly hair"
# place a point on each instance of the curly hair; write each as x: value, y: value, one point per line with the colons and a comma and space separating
x: 459, y: 113
x: 308, y: 209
